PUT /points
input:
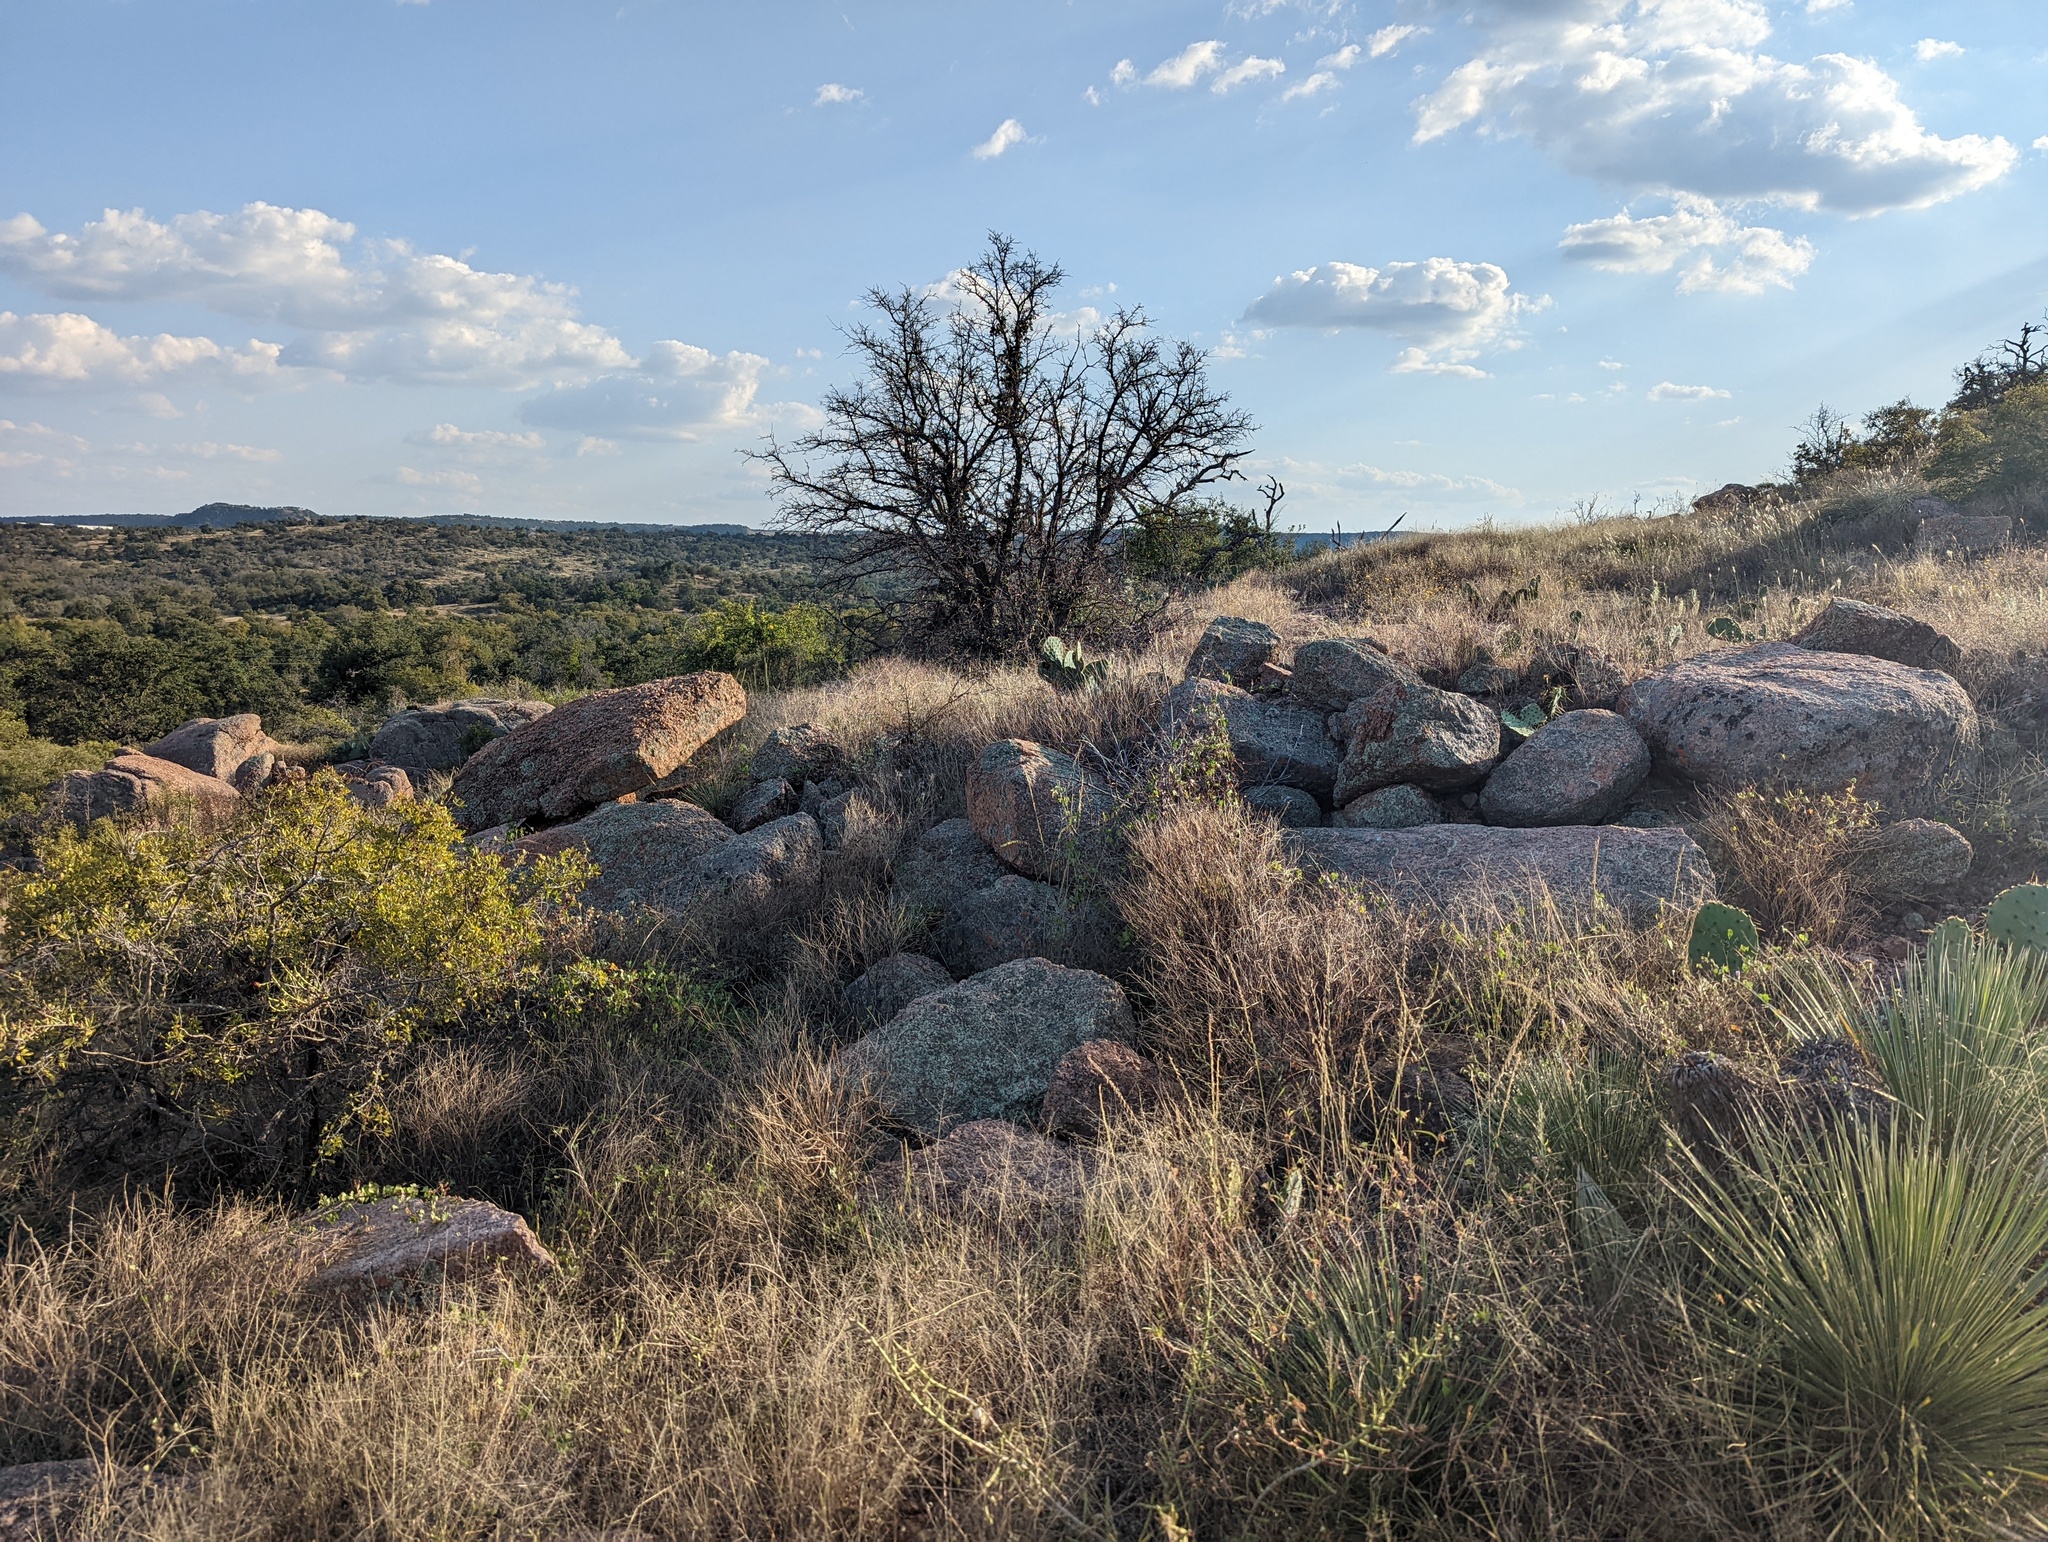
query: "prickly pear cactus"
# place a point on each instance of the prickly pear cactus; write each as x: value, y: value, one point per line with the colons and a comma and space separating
x: 1065, y: 669
x: 2019, y: 917
x: 1723, y: 937
x: 1950, y: 937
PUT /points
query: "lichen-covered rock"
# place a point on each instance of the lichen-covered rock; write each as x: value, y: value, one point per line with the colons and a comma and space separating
x: 780, y: 860
x: 1475, y: 872
x: 1437, y: 740
x: 1095, y: 1085
x: 946, y: 863
x: 762, y: 802
x: 1400, y: 807
x: 1488, y: 679
x: 1013, y: 918
x: 1232, y: 650
x: 985, y: 1048
x: 991, y: 1171
x: 1850, y: 626
x: 135, y: 783
x: 1775, y: 713
x: 371, y: 1245
x: 423, y: 740
x: 1910, y: 858
x: 1274, y: 743
x: 1580, y: 768
x: 1333, y: 672
x: 797, y: 755
x: 890, y: 986
x: 1031, y: 804
x: 214, y: 746
x: 640, y: 849
x: 1293, y: 808
x: 596, y: 749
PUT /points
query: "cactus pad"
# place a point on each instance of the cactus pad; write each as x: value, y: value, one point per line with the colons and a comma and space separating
x: 2019, y: 917
x: 1721, y: 936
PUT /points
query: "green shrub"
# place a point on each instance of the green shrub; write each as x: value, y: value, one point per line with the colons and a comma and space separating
x: 226, y: 1009
x: 28, y: 765
x: 1595, y: 1116
x: 767, y: 649
x: 2002, y: 448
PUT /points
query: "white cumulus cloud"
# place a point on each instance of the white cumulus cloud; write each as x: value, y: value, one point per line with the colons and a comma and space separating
x: 1342, y: 59
x: 1387, y: 39
x: 1188, y: 66
x: 1670, y: 391
x: 1679, y: 96
x: 68, y: 349
x: 833, y: 94
x: 1710, y: 248
x: 1448, y: 312
x: 1009, y: 134
x: 1928, y: 49
x: 678, y: 393
x: 1245, y: 71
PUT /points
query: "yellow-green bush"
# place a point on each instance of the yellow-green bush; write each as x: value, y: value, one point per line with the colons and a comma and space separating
x: 2001, y: 449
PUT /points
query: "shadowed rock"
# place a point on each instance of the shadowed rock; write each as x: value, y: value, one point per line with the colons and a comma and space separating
x: 640, y: 849
x: 946, y: 863
x: 1580, y: 768
x: 1910, y: 858
x: 988, y: 1170
x: 1013, y: 918
x: 423, y: 740
x: 1274, y: 743
x: 1232, y: 650
x: 1410, y: 732
x: 1400, y: 807
x: 762, y: 802
x: 890, y: 986
x: 1850, y: 626
x: 1293, y: 808
x: 135, y: 783
x: 1095, y: 1085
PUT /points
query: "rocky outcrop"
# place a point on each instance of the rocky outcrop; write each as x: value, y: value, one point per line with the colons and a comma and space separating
x: 1911, y: 858
x: 1775, y: 713
x: 641, y: 850
x: 1097, y: 1084
x: 1273, y: 743
x: 781, y: 860
x: 946, y: 863
x: 370, y: 1246
x: 762, y: 802
x: 1409, y: 732
x: 595, y: 749
x: 1232, y: 650
x: 890, y: 986
x: 1293, y: 808
x: 985, y: 1048
x: 797, y: 755
x: 1962, y: 535
x: 1580, y: 768
x: 990, y: 1171
x: 375, y: 786
x: 1401, y: 807
x: 1010, y: 919
x: 1029, y: 804
x: 214, y: 746
x: 1850, y: 626
x: 1333, y: 672
x: 423, y: 740
x: 1473, y: 872
x: 133, y: 783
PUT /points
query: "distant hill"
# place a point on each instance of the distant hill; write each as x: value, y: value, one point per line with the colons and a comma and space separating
x: 218, y: 516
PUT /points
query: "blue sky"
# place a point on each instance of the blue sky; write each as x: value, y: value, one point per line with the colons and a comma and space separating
x: 567, y: 260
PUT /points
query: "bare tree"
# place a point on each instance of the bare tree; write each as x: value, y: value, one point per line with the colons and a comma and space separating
x: 995, y: 452
x: 2016, y: 361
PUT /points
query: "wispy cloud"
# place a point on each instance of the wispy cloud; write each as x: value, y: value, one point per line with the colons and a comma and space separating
x: 1928, y: 49
x: 1671, y: 391
x: 832, y: 94
x: 1008, y: 135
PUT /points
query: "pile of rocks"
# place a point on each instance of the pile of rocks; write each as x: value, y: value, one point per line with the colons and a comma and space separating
x: 204, y: 765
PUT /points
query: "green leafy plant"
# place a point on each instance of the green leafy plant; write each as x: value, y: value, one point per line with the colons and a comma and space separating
x: 1525, y: 720
x: 1725, y: 628
x: 2019, y: 917
x: 1065, y: 668
x: 1723, y: 937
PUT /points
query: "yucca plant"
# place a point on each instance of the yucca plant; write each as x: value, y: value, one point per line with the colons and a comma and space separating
x: 1594, y: 1116
x: 1898, y: 1280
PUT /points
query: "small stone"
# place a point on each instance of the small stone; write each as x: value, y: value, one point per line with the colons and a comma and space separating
x: 988, y: 1170
x: 1488, y: 679
x: 763, y: 801
x: 369, y: 1246
x: 1400, y: 807
x: 1579, y: 768
x: 1232, y: 650
x: 1292, y: 807
x: 890, y: 986
x: 254, y: 772
x: 1911, y: 857
x: 380, y: 786
x: 1097, y: 1083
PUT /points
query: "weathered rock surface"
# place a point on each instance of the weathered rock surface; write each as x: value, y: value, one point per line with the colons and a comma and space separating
x: 803, y: 753
x: 1097, y: 1084
x: 1580, y: 768
x: 373, y: 1245
x: 946, y: 863
x: 1012, y: 918
x: 596, y: 749
x: 1333, y: 672
x: 214, y: 746
x: 423, y: 740
x: 1232, y: 650
x: 762, y: 802
x: 255, y: 772
x: 1474, y: 871
x: 375, y: 786
x: 1295, y: 809
x: 1028, y: 803
x: 840, y: 814
x: 1775, y: 713
x: 134, y: 783
x: 1910, y: 858
x: 1400, y: 807
x: 782, y: 859
x: 1850, y: 626
x: 1962, y: 534
x: 987, y: 1047
x: 991, y: 1171
x: 890, y: 986
x: 641, y: 849
x: 1489, y: 679
x: 1274, y: 743
x: 1437, y: 740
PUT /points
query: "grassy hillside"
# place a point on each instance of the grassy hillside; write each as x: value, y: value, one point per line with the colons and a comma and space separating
x: 1305, y: 1296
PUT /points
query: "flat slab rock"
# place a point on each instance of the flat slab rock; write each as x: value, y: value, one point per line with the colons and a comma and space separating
x: 595, y: 749
x: 373, y: 1245
x: 985, y: 1048
x: 1473, y: 872
x: 1777, y: 713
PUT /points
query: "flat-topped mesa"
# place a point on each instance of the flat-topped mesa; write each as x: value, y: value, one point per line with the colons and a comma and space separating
x: 596, y: 749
